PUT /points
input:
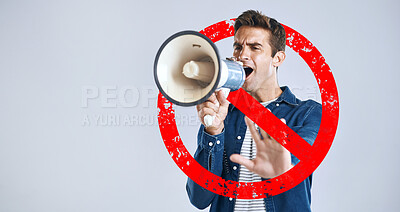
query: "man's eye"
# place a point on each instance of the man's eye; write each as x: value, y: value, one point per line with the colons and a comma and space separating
x: 256, y: 48
x: 237, y: 48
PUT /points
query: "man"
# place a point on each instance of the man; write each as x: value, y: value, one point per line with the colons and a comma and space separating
x: 233, y: 147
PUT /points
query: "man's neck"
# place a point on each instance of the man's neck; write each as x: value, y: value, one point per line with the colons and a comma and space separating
x: 267, y: 94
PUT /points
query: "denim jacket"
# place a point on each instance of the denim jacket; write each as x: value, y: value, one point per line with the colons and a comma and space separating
x: 303, y: 117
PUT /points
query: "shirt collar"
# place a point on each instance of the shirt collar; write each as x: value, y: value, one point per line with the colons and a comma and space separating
x: 286, y: 96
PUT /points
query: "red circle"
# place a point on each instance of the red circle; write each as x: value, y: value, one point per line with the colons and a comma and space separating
x: 313, y: 155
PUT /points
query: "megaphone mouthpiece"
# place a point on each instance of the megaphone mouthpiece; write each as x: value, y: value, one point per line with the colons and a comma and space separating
x: 202, y: 71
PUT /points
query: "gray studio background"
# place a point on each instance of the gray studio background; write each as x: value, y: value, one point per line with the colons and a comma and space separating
x: 78, y: 128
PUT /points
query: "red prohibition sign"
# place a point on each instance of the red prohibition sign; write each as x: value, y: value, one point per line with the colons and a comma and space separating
x: 310, y: 156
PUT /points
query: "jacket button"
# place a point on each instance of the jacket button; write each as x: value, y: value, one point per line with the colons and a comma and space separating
x: 277, y: 104
x: 239, y: 137
x: 234, y: 167
x: 210, y: 144
x: 230, y: 198
x: 218, y: 142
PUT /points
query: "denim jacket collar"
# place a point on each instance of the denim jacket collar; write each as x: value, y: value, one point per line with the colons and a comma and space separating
x: 286, y: 96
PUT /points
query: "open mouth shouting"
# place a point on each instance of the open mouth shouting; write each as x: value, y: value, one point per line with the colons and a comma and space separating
x: 248, y: 71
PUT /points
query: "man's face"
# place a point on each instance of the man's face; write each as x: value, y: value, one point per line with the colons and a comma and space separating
x: 251, y: 47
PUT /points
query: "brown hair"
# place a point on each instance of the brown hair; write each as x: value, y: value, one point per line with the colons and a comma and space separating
x: 254, y: 18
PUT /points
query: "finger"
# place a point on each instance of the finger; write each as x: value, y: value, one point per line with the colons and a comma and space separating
x: 206, y: 111
x: 284, y: 121
x: 231, y: 58
x: 210, y: 105
x: 283, y: 148
x: 275, y: 143
x: 222, y: 99
x: 236, y: 158
x: 213, y: 98
x: 263, y: 133
x: 254, y: 133
x: 200, y: 106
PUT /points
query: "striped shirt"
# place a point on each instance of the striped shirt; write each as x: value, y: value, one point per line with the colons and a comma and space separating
x: 249, y: 151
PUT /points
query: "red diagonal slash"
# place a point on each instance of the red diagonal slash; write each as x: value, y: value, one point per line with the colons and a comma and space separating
x: 270, y: 124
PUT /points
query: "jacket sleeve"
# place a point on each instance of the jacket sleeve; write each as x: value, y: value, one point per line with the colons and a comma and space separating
x: 209, y: 154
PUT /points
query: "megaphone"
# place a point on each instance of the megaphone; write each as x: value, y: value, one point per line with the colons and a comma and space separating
x: 188, y: 69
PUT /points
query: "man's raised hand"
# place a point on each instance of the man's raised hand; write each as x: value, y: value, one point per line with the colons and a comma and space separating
x: 272, y: 159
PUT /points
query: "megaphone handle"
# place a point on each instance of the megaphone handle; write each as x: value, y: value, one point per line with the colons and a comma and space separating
x: 209, y: 119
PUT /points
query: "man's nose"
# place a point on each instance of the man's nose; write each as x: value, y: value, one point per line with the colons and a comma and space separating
x: 244, y: 54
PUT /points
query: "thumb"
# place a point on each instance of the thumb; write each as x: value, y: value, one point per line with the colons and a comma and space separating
x: 236, y: 158
x: 222, y: 98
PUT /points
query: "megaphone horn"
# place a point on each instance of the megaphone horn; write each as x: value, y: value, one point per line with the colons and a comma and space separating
x: 188, y: 69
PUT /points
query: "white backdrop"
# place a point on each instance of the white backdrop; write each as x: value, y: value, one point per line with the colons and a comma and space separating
x: 78, y: 101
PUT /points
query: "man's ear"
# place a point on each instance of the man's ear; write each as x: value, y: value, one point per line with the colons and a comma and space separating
x: 278, y: 58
